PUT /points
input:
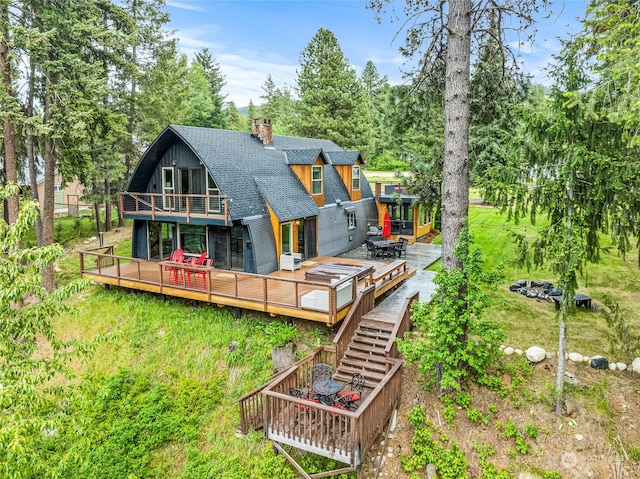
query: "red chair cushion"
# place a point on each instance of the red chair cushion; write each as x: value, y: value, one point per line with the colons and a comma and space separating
x: 354, y: 395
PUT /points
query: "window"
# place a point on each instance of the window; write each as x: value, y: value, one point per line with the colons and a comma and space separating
x: 351, y: 219
x: 355, y: 176
x: 316, y: 180
x: 192, y: 238
x: 286, y: 231
x: 167, y: 188
x: 215, y: 203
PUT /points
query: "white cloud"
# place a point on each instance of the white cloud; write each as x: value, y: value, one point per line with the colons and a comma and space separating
x: 185, y: 6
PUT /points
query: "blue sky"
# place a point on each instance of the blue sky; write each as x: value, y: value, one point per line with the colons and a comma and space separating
x: 251, y: 39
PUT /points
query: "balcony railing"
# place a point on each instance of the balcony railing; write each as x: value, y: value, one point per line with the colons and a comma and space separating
x: 190, y: 206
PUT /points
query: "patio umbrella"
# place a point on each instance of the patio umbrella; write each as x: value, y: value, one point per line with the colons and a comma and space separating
x: 386, y: 225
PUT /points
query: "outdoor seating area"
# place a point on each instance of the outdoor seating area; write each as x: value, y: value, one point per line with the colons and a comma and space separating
x: 182, y: 268
x: 324, y: 389
x: 385, y: 248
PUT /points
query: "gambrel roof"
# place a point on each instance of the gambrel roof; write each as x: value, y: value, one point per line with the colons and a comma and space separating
x: 252, y: 174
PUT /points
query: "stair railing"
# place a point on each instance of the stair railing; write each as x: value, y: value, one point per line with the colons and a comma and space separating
x: 402, y: 325
x: 364, y: 302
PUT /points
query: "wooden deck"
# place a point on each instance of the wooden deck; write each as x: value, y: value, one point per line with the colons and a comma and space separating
x: 364, y: 344
x: 285, y: 293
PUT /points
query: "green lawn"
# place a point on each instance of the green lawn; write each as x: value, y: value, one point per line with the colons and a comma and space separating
x: 157, y: 400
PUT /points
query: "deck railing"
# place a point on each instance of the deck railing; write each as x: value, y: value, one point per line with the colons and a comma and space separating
x: 252, y: 404
x: 402, y: 326
x: 326, y: 430
x: 159, y: 204
x: 263, y: 292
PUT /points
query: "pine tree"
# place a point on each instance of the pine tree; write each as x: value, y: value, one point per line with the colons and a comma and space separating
x: 331, y: 104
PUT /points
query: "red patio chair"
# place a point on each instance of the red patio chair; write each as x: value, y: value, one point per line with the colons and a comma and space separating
x: 200, y: 272
x: 353, y: 393
x: 195, y: 261
x: 176, y: 257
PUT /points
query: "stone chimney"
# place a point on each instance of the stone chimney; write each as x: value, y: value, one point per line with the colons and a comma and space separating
x: 261, y: 129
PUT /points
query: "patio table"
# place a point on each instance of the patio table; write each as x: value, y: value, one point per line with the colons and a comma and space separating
x: 326, y: 389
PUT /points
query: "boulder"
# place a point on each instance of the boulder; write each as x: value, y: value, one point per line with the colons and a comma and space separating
x: 535, y: 354
x: 599, y: 362
x: 635, y: 365
x: 519, y: 352
x: 621, y: 366
x: 514, y: 287
x: 613, y: 366
x: 549, y: 354
x: 508, y: 351
x: 576, y: 357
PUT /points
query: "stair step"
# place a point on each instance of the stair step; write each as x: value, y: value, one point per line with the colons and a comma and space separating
x: 371, y: 341
x: 370, y: 376
x: 365, y: 355
x: 373, y: 334
x: 366, y: 349
x: 364, y: 365
x: 376, y: 325
x: 384, y: 316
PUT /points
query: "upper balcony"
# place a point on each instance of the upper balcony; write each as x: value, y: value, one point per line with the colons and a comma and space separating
x: 157, y: 206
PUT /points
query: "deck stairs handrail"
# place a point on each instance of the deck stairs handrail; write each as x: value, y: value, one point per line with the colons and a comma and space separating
x: 365, y: 344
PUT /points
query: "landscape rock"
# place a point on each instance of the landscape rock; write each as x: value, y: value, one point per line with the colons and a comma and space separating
x: 621, y: 366
x: 576, y: 357
x: 599, y: 362
x: 519, y: 352
x: 283, y: 357
x: 431, y: 471
x: 548, y: 354
x: 535, y: 354
x: 508, y: 351
x: 586, y: 359
x: 635, y: 365
x: 612, y: 366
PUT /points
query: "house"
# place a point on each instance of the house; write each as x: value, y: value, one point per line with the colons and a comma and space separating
x: 249, y: 200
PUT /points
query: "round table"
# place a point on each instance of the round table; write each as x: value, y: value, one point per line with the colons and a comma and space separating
x: 325, y: 388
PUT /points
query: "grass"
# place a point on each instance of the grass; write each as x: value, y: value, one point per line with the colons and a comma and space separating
x: 528, y: 322
x: 180, y: 346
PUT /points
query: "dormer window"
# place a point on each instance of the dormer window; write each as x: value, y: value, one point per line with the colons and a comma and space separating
x: 355, y: 176
x: 316, y: 180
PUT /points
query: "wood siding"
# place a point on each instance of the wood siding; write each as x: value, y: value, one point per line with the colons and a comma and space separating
x: 346, y: 172
x: 303, y: 172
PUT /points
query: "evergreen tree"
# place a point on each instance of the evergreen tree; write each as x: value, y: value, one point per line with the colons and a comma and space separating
x: 279, y: 106
x: 216, y: 81
x: 252, y: 114
x: 234, y: 121
x: 331, y: 104
x: 375, y: 89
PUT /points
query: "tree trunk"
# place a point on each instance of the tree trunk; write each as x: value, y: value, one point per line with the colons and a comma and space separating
x: 564, y: 308
x: 107, y: 206
x: 48, y: 280
x: 9, y: 130
x: 96, y: 209
x: 31, y: 153
x: 455, y: 174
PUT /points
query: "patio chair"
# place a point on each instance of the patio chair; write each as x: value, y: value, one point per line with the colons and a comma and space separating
x: 176, y: 257
x: 321, y: 371
x: 371, y: 249
x: 203, y: 273
x: 402, y: 247
x: 302, y: 409
x: 353, y: 392
x: 194, y: 261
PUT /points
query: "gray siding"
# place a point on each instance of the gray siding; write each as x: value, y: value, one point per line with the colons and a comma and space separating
x: 263, y: 245
x: 334, y: 229
x: 182, y: 156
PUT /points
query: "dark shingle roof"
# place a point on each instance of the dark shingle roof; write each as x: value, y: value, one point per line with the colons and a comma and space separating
x: 296, y: 203
x: 245, y: 170
x: 343, y: 157
x: 302, y: 157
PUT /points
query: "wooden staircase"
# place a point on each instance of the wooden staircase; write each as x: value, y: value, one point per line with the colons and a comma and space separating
x: 366, y: 351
